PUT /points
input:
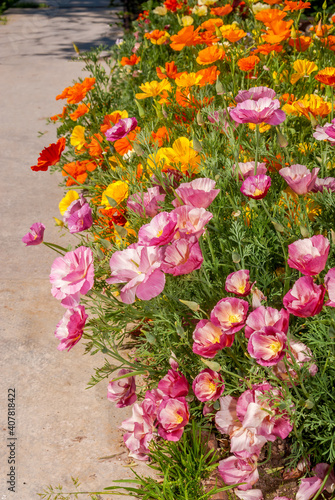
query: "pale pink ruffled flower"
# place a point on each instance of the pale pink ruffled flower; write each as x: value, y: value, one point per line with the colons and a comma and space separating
x: 257, y: 296
x: 235, y: 470
x: 209, y: 339
x: 300, y: 179
x: 70, y: 328
x: 267, y: 346
x: 72, y: 275
x: 174, y: 384
x: 330, y: 287
x: 255, y: 93
x: 198, y: 193
x: 302, y: 355
x: 141, y: 431
x: 256, y: 186
x: 78, y: 216
x: 230, y: 314
x: 182, y: 257
x: 305, y: 299
x: 254, y: 494
x: 35, y: 237
x: 172, y: 416
x: 309, y: 256
x: 121, y: 129
x: 325, y: 133
x: 190, y: 220
x: 139, y: 267
x: 310, y: 485
x: 208, y: 385
x: 266, y: 316
x: 160, y: 230
x: 146, y: 204
x: 248, y: 168
x: 238, y: 283
x: 263, y: 110
x: 122, y: 391
x: 322, y: 184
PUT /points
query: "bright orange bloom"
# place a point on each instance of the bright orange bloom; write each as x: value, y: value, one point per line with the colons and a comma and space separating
x: 278, y: 31
x: 209, y: 38
x: 209, y: 75
x: 210, y: 55
x: 248, y: 63
x: 112, y: 119
x: 321, y: 29
x: 273, y: 2
x: 288, y: 98
x: 329, y: 42
x: 77, y: 92
x: 160, y: 136
x: 94, y: 147
x: 60, y: 116
x: 188, y: 80
x: 233, y: 35
x: 123, y: 146
x: 81, y: 110
x: 157, y: 37
x: 267, y: 48
x: 292, y: 6
x: 170, y: 71
x: 269, y: 15
x: 310, y: 105
x: 78, y: 170
x: 173, y: 5
x: 186, y: 37
x: 222, y: 11
x: 326, y: 76
x: 50, y: 155
x: 130, y: 61
x: 211, y: 23
x: 301, y: 43
x: 88, y: 83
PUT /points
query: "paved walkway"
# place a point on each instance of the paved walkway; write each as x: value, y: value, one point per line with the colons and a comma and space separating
x: 61, y: 428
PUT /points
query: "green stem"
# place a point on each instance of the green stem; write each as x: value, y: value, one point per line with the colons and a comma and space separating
x: 257, y: 148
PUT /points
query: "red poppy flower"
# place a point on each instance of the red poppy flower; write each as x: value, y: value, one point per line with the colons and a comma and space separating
x: 50, y: 155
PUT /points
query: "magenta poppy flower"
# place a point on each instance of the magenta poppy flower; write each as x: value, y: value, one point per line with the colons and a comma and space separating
x: 35, y: 237
x: 238, y: 283
x: 182, y: 257
x: 322, y: 184
x: 146, y: 204
x: 151, y: 402
x: 309, y: 255
x: 174, y: 384
x: 121, y: 129
x: 255, y: 93
x: 325, y: 133
x: 160, y: 230
x: 235, y: 470
x: 190, y: 220
x: 267, y: 346
x: 248, y: 168
x: 209, y: 339
x: 139, y: 267
x: 172, y: 416
x: 310, y: 485
x: 266, y: 316
x: 230, y: 314
x: 300, y: 179
x: 70, y: 328
x: 122, y: 391
x: 256, y: 186
x: 263, y: 110
x: 78, y: 216
x: 199, y: 193
x: 72, y: 275
x: 208, y: 385
x: 330, y: 286
x: 305, y: 299
x: 141, y: 431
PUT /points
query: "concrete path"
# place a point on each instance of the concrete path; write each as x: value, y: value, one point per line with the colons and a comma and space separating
x: 62, y: 429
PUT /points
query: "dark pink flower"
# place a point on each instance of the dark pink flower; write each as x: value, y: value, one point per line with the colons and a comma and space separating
x: 182, y: 257
x: 309, y: 256
x: 190, y: 220
x: 264, y: 110
x: 330, y: 286
x: 146, y: 204
x: 209, y: 339
x: 230, y: 314
x: 151, y: 402
x: 174, y: 384
x: 267, y: 346
x: 35, y: 237
x: 235, y: 470
x: 160, y: 230
x: 70, y: 328
x: 266, y: 316
x: 139, y: 267
x: 72, y: 275
x: 238, y: 283
x: 248, y: 168
x: 78, y: 216
x: 121, y: 129
x: 305, y: 299
x: 322, y: 184
x: 255, y: 93
x: 172, y: 416
x: 122, y: 391
x: 208, y: 385
x: 141, y: 431
x: 300, y: 179
x: 198, y: 193
x: 256, y: 186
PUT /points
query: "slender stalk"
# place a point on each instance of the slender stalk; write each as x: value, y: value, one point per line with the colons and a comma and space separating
x: 257, y: 148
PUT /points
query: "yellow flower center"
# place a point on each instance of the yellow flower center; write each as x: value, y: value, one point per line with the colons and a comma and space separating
x: 275, y: 347
x: 258, y: 192
x: 179, y: 418
x: 159, y: 233
x: 234, y: 318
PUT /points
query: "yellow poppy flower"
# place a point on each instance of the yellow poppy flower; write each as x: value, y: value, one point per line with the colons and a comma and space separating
x: 302, y: 68
x: 67, y: 200
x: 187, y: 21
x: 154, y: 88
x: 78, y: 137
x: 118, y: 191
x: 188, y: 80
x: 182, y: 154
x: 310, y: 105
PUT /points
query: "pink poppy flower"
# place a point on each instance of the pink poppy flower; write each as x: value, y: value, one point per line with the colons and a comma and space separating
x: 78, y: 216
x: 226, y: 418
x: 256, y: 186
x: 305, y: 299
x: 70, y: 328
x: 151, y: 402
x: 302, y: 355
x: 208, y: 385
x: 160, y: 230
x: 300, y: 179
x: 141, y: 431
x: 182, y: 257
x: 198, y: 193
x: 190, y: 220
x: 310, y: 485
x: 121, y: 129
x: 173, y: 385
x: 247, y: 169
x: 172, y: 416
x: 263, y: 110
x: 146, y: 204
x: 309, y: 256
x: 325, y: 133
x: 254, y: 494
x: 238, y: 283
x: 257, y: 296
x: 72, y: 275
x: 330, y: 287
x: 209, y: 339
x: 267, y: 346
x: 219, y: 118
x: 122, y: 391
x: 322, y: 184
x: 230, y: 314
x: 255, y: 93
x: 235, y: 470
x: 35, y: 237
x: 139, y: 267
x: 266, y: 316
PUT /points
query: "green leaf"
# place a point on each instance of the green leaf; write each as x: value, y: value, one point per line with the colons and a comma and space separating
x: 111, y: 201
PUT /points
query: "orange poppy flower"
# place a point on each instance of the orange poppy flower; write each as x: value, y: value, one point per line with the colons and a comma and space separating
x: 76, y: 93
x: 173, y: 5
x: 112, y: 119
x: 329, y: 42
x: 310, y: 105
x: 130, y: 61
x: 248, y: 63
x: 170, y: 71
x: 157, y: 37
x: 60, y: 116
x: 292, y: 6
x: 211, y: 23
x: 288, y: 98
x: 123, y: 146
x: 186, y: 37
x: 50, y: 155
x: 88, y: 83
x: 267, y: 48
x: 233, y: 35
x: 75, y: 169
x: 81, y: 110
x: 222, y: 11
x: 321, y: 29
x: 94, y: 147
x: 326, y: 76
x: 278, y: 31
x: 301, y: 43
x: 209, y: 38
x: 209, y: 75
x: 160, y: 136
x: 273, y: 2
x: 269, y: 15
x: 210, y: 55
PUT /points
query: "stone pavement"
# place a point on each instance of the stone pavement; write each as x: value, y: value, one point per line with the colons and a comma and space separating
x: 62, y: 429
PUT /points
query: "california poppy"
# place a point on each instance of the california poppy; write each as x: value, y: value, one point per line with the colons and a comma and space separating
x: 222, y: 11
x: 50, y: 155
x: 269, y: 15
x: 301, y: 43
x: 210, y: 55
x: 130, y: 61
x: 186, y: 37
x: 81, y: 110
x: 248, y: 63
x: 326, y: 76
